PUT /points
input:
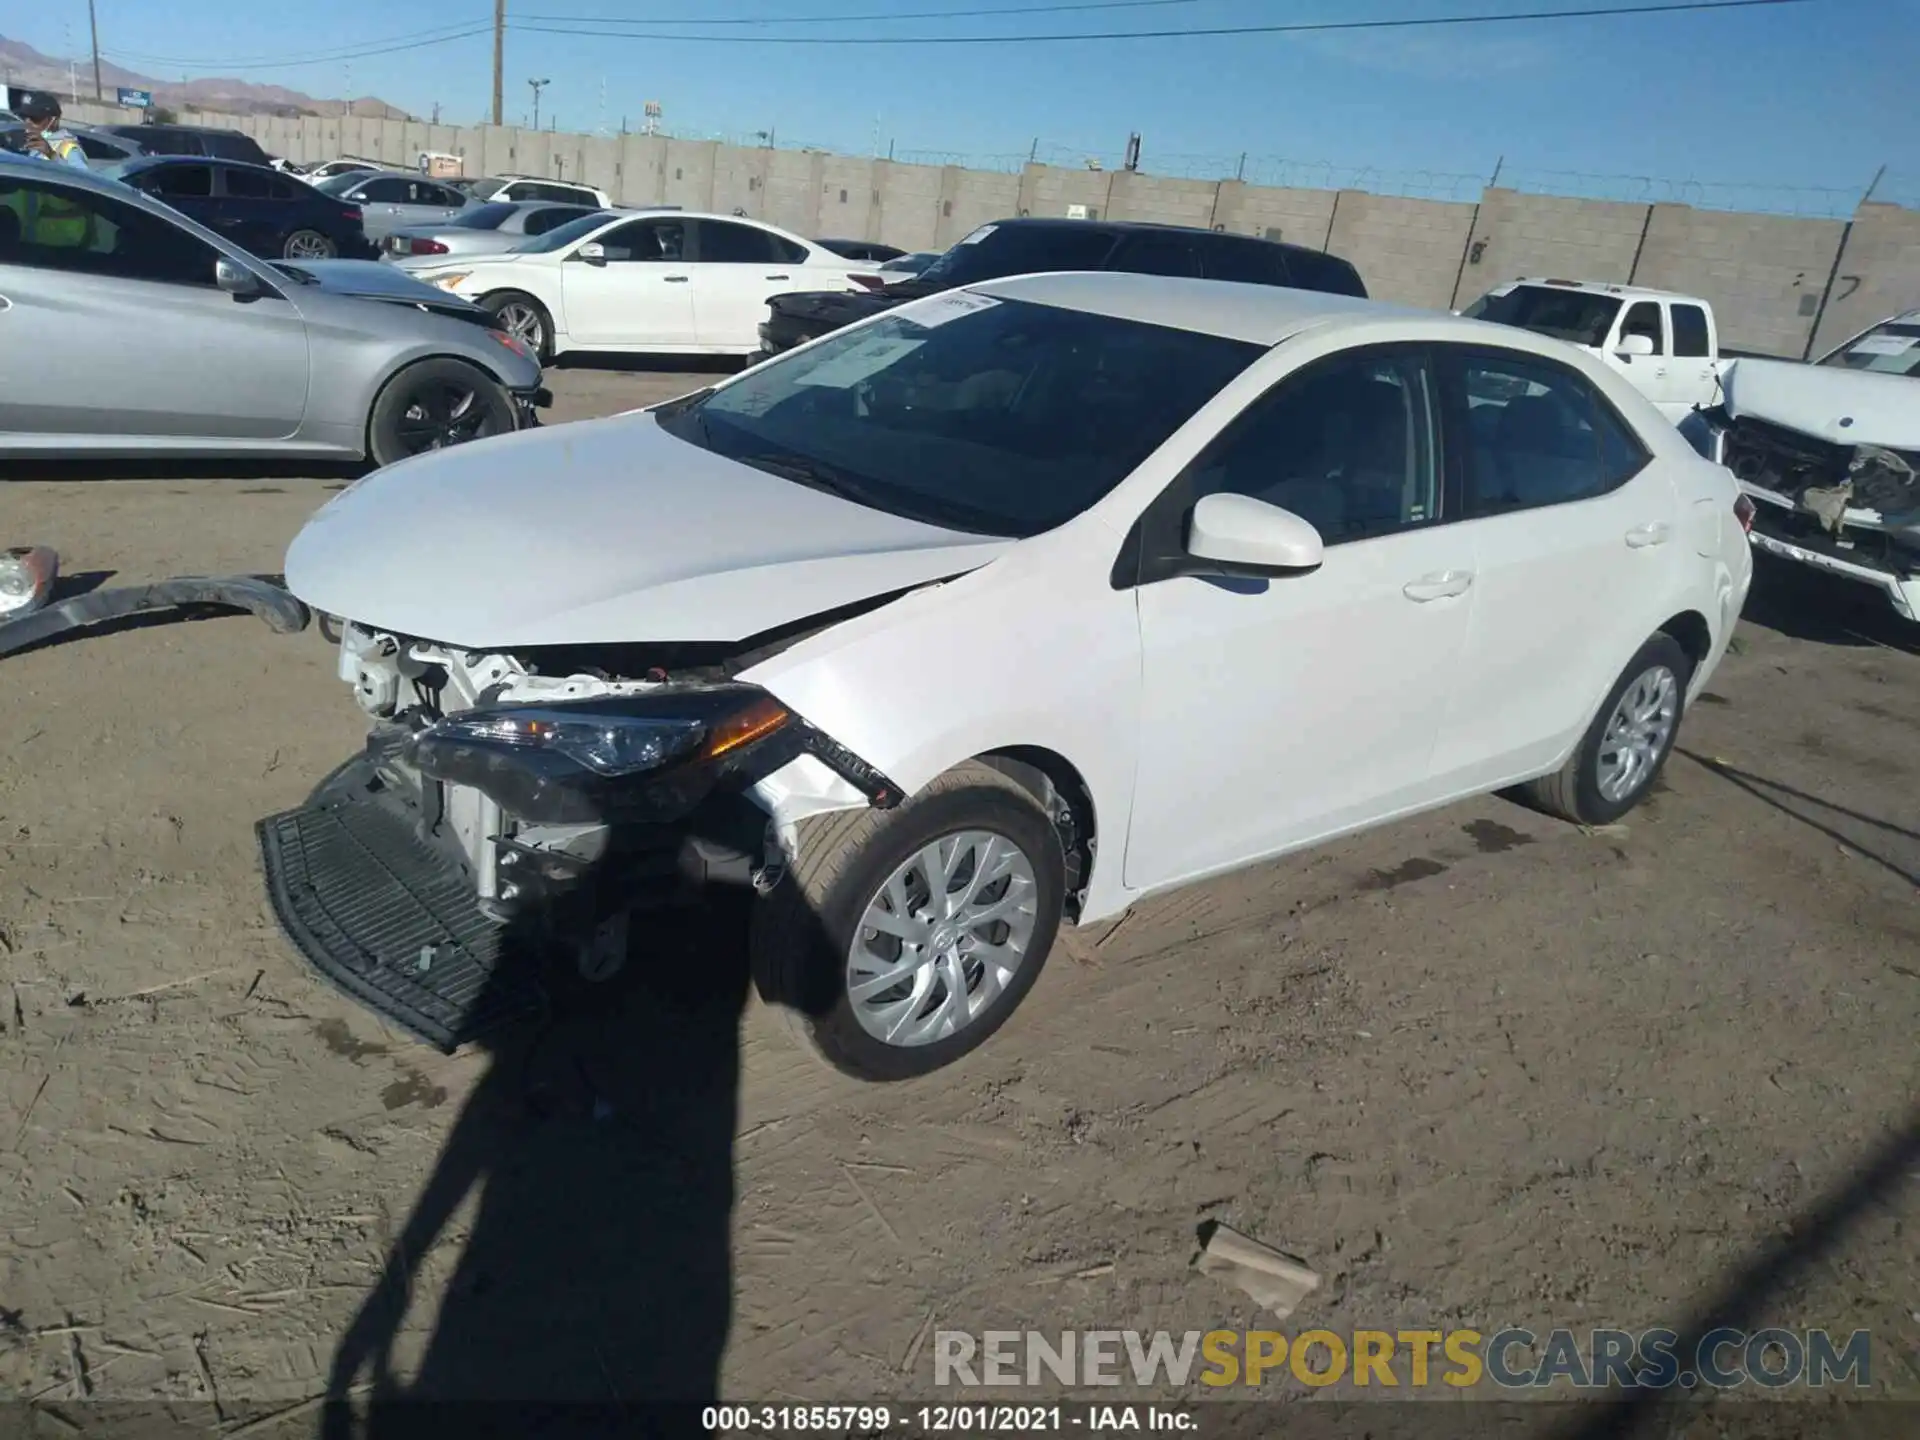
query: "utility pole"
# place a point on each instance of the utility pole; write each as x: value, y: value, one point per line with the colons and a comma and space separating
x: 499, y: 55
x: 93, y: 23
x: 537, y: 86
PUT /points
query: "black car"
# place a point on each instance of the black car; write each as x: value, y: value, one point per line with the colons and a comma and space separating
x: 1027, y: 247
x: 862, y: 250
x: 209, y: 140
x: 275, y: 216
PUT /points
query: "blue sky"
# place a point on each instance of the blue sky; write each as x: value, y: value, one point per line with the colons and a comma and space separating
x: 1812, y: 94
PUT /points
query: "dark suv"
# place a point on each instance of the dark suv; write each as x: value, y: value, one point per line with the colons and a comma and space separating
x: 1027, y: 247
x: 192, y: 140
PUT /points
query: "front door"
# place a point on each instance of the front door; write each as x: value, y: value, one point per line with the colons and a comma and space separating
x: 1572, y: 529
x: 148, y: 345
x: 637, y: 294
x: 740, y: 268
x: 1279, y: 711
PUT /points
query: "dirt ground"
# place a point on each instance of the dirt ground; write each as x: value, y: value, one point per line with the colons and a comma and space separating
x: 1478, y: 1069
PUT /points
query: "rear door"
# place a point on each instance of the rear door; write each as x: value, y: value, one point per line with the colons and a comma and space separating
x: 638, y: 296
x: 737, y: 269
x: 246, y: 212
x: 1575, y: 534
x: 187, y: 188
x: 149, y: 345
x: 1695, y: 383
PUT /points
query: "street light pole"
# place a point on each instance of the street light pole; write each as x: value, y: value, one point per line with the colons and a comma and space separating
x: 537, y: 86
x: 93, y: 23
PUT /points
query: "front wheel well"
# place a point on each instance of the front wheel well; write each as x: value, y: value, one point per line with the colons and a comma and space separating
x: 1690, y: 629
x: 1060, y: 790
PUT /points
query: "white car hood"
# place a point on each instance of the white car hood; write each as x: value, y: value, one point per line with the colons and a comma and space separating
x: 1846, y: 407
x: 603, y: 532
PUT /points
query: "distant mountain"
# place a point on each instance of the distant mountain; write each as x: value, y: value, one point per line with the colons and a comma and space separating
x: 24, y: 66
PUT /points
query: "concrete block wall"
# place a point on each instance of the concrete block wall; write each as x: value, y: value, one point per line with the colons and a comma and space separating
x: 1878, y: 274
x: 1540, y: 235
x: 1407, y: 251
x: 1766, y: 275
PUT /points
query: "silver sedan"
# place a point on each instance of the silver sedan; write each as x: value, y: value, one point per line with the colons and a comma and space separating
x: 127, y: 329
x: 484, y: 230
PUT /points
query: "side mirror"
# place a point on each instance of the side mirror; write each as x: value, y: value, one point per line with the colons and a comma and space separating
x: 1244, y: 536
x: 593, y: 252
x: 234, y: 278
x: 1631, y: 345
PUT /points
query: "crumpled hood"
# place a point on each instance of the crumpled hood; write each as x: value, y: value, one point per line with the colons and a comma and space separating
x: 370, y: 280
x: 1845, y: 407
x: 604, y: 532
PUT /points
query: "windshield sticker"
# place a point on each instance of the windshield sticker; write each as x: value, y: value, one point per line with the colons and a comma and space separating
x: 1885, y: 344
x: 750, y: 397
x: 950, y: 305
x: 861, y: 362
x: 977, y: 236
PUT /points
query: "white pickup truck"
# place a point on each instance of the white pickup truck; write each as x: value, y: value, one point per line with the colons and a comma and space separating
x: 1666, y: 345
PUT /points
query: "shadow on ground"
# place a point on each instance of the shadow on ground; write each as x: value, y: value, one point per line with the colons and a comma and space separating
x: 1806, y: 604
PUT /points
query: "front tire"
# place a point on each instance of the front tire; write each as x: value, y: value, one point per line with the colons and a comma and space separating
x: 903, y: 939
x: 524, y: 318
x: 433, y: 405
x: 1626, y: 747
x: 308, y: 245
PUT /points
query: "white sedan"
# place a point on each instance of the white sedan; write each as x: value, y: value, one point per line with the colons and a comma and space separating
x: 1000, y: 610
x: 664, y: 282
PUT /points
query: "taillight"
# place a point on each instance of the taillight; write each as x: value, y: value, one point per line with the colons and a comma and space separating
x: 426, y: 247
x: 1743, y: 511
x: 352, y: 212
x: 869, y: 282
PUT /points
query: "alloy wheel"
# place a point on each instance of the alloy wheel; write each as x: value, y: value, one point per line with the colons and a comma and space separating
x: 1637, y: 733
x: 440, y: 414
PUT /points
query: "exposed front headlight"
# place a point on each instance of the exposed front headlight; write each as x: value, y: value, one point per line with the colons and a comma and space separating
x: 606, y: 744
x: 447, y: 280
x: 26, y: 580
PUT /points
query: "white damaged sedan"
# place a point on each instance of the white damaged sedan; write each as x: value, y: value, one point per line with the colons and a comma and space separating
x: 998, y: 611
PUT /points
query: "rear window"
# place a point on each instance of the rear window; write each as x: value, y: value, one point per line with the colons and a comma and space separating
x: 1577, y: 316
x: 994, y: 251
x: 1889, y: 349
x: 487, y: 217
x: 1246, y: 262
x: 1329, y: 274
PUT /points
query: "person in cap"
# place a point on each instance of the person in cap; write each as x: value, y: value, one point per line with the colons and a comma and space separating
x: 46, y: 138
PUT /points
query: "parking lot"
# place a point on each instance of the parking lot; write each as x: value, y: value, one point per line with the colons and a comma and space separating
x: 1478, y: 1069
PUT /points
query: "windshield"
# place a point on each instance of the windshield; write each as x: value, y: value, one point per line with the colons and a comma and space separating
x: 996, y: 250
x: 1000, y: 417
x: 485, y: 187
x: 565, y: 235
x: 487, y: 217
x: 1577, y: 316
x: 1892, y: 348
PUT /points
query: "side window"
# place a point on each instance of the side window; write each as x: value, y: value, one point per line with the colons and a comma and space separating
x: 724, y: 244
x: 283, y: 189
x: 1247, y: 262
x: 248, y: 184
x: 539, y: 222
x: 1149, y: 254
x: 1347, y: 444
x: 99, y: 149
x: 647, y: 240
x: 1329, y: 274
x: 182, y: 182
x: 1643, y: 318
x: 1535, y: 434
x: 786, y: 251
x: 385, y: 190
x: 1690, y: 332
x: 53, y: 228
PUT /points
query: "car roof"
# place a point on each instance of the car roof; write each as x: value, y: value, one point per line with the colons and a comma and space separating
x: 1603, y: 287
x: 1144, y: 227
x: 1258, y: 314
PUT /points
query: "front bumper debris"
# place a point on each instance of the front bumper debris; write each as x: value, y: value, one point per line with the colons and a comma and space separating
x: 256, y: 594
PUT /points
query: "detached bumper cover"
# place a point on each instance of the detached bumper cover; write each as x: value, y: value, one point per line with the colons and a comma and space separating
x: 282, y: 612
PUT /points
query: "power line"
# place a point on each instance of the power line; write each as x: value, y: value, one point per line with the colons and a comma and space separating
x: 870, y: 17
x: 1300, y: 28
x: 411, y: 40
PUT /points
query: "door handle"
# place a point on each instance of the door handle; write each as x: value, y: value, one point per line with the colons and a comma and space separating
x: 1644, y: 535
x: 776, y: 277
x: 674, y: 279
x: 1441, y: 585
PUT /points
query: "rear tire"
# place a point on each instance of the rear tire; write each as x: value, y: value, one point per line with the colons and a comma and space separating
x: 308, y: 245
x: 812, y: 948
x: 1625, y: 749
x: 523, y: 317
x: 433, y: 405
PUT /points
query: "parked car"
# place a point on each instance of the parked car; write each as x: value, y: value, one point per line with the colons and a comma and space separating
x: 1831, y: 454
x: 391, y: 200
x: 677, y: 283
x: 1667, y: 345
x: 512, y: 188
x: 906, y: 267
x: 485, y: 229
x: 1228, y: 570
x: 191, y: 140
x: 173, y: 340
x: 259, y: 209
x: 1024, y: 247
x: 871, y: 250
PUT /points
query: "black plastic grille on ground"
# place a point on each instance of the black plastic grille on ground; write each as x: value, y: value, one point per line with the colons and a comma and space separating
x: 386, y: 920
